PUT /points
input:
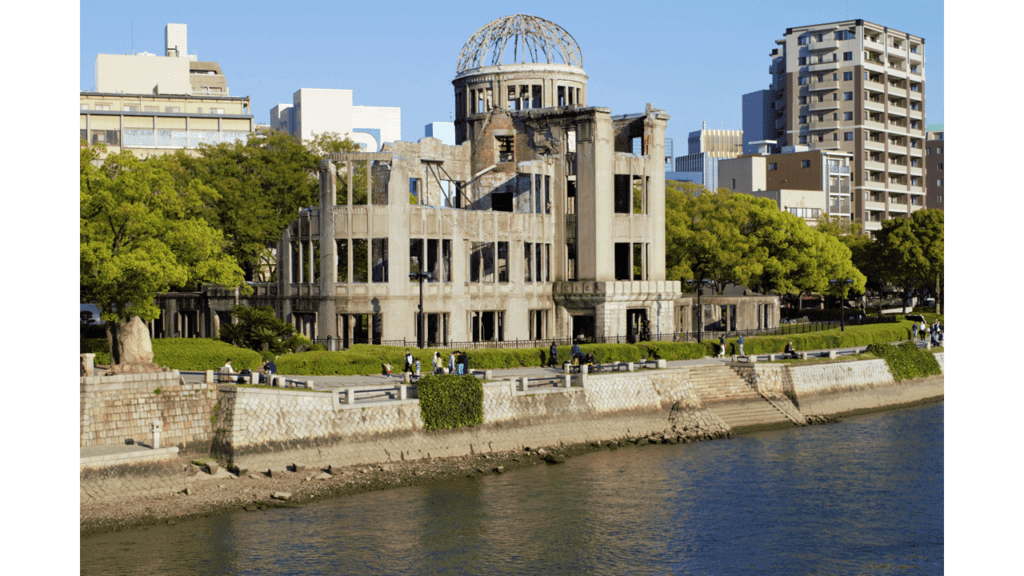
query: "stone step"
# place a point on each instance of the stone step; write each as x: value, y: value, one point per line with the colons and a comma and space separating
x: 753, y: 413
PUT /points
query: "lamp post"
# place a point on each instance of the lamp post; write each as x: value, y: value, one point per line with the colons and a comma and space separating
x: 700, y: 284
x: 843, y: 286
x: 420, y: 336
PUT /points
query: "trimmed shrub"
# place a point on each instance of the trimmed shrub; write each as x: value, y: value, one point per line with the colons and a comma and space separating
x: 673, y: 350
x: 185, y: 353
x: 448, y: 402
x: 907, y: 360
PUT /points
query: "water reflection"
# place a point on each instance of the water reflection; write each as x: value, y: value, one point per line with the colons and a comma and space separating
x: 862, y: 496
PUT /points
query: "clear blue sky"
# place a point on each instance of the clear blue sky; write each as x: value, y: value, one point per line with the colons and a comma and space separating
x: 692, y: 59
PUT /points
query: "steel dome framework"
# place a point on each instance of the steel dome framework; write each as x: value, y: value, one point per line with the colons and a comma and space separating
x: 534, y: 40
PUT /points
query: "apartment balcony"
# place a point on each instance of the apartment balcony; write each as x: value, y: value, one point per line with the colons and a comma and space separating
x: 873, y: 225
x: 876, y: 145
x: 916, y: 70
x: 917, y: 114
x: 897, y: 110
x: 897, y: 208
x: 897, y: 92
x: 876, y: 185
x: 915, y: 95
x: 780, y: 123
x: 895, y: 52
x: 824, y: 66
x: 877, y: 166
x: 823, y: 106
x: 915, y: 189
x: 874, y: 125
x: 875, y: 106
x: 916, y: 171
x: 821, y: 86
x: 916, y: 56
x: 820, y: 125
x: 875, y: 206
x: 914, y: 208
x: 779, y: 105
x: 823, y: 45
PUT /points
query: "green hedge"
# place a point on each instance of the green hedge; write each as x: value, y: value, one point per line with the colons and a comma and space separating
x: 673, y: 350
x: 185, y: 353
x: 448, y: 402
x: 907, y: 360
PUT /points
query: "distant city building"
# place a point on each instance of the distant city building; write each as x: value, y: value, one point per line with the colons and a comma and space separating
x: 443, y: 131
x: 158, y: 104
x: 758, y: 119
x: 806, y: 183
x: 320, y: 110
x: 934, y: 166
x: 705, y: 148
x: 858, y: 87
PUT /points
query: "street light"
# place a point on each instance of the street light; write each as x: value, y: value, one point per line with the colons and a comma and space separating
x: 843, y: 284
x: 420, y: 276
x: 700, y: 309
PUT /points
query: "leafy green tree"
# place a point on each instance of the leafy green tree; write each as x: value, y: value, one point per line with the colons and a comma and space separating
x: 913, y: 252
x: 706, y: 236
x: 140, y: 234
x: 261, y: 185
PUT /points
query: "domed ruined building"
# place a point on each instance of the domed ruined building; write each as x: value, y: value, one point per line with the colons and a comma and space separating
x: 544, y: 221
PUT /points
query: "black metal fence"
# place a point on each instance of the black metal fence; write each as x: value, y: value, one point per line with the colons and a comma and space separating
x: 782, y: 330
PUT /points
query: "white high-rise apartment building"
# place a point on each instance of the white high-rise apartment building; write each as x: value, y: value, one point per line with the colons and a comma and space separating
x: 318, y: 110
x: 857, y: 87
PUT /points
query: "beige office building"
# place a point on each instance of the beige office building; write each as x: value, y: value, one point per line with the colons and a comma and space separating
x: 155, y: 105
x: 857, y: 87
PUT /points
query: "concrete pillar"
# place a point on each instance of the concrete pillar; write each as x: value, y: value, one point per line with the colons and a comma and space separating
x: 208, y: 377
x: 157, y: 427
x: 832, y: 354
x: 583, y: 375
x: 89, y: 360
x: 402, y: 392
x: 350, y: 396
x: 526, y: 385
x: 568, y: 381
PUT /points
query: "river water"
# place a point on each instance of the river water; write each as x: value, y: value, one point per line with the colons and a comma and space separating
x: 863, y: 496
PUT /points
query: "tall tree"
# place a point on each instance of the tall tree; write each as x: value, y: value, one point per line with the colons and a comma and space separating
x: 913, y: 252
x: 140, y: 234
x: 261, y: 185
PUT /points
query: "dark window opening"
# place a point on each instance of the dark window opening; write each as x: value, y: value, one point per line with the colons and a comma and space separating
x: 622, y: 193
x: 342, y: 252
x: 622, y: 271
x: 638, y: 195
x: 380, y: 259
x: 432, y: 261
x: 571, y: 269
x: 528, y: 262
x: 446, y: 260
x: 502, y: 201
x: 638, y: 261
x: 415, y: 256
x: 506, y: 148
x: 502, y: 261
x: 583, y: 327
x: 360, y: 260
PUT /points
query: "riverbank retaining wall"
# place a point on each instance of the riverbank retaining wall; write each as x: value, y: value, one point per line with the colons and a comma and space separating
x: 116, y: 408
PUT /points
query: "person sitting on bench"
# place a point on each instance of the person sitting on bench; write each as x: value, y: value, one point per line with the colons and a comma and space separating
x: 790, y: 351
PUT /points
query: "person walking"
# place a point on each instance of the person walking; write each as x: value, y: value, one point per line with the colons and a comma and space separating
x: 914, y: 334
x: 554, y: 354
x: 741, y: 346
x: 451, y: 362
x: 721, y: 346
x: 924, y: 331
x: 436, y: 363
x: 408, y: 361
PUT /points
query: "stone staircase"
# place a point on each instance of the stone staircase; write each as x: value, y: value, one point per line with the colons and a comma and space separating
x: 730, y: 398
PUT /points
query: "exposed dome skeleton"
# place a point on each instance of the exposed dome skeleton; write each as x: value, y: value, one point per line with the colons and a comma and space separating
x: 534, y: 40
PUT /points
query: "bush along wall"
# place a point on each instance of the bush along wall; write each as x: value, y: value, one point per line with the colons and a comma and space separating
x: 448, y: 402
x: 907, y: 360
x: 190, y: 354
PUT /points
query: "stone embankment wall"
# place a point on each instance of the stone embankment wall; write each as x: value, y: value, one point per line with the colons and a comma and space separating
x: 114, y: 408
x: 314, y: 428
x: 842, y: 387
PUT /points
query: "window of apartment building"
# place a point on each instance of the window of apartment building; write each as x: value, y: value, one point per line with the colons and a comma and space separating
x: 216, y: 110
x: 835, y: 136
x: 805, y: 163
x: 847, y: 95
x: 131, y: 108
x: 938, y: 182
x: 733, y: 183
x: 821, y: 137
x: 821, y: 97
x: 773, y: 165
x: 847, y: 136
x: 819, y: 37
x: 802, y: 41
x: 172, y: 109
x: 913, y: 69
x: 914, y: 124
x: 928, y: 150
x: 103, y: 107
x: 938, y: 150
x: 85, y: 106
x: 821, y: 77
x: 914, y: 162
x: 847, y: 116
x: 151, y: 108
x: 835, y: 97
x: 803, y: 120
x: 835, y: 76
x: 803, y: 100
x: 940, y: 165
x: 803, y: 139
x: 803, y: 80
x: 915, y: 106
x: 802, y: 61
x: 847, y: 56
x: 915, y: 87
